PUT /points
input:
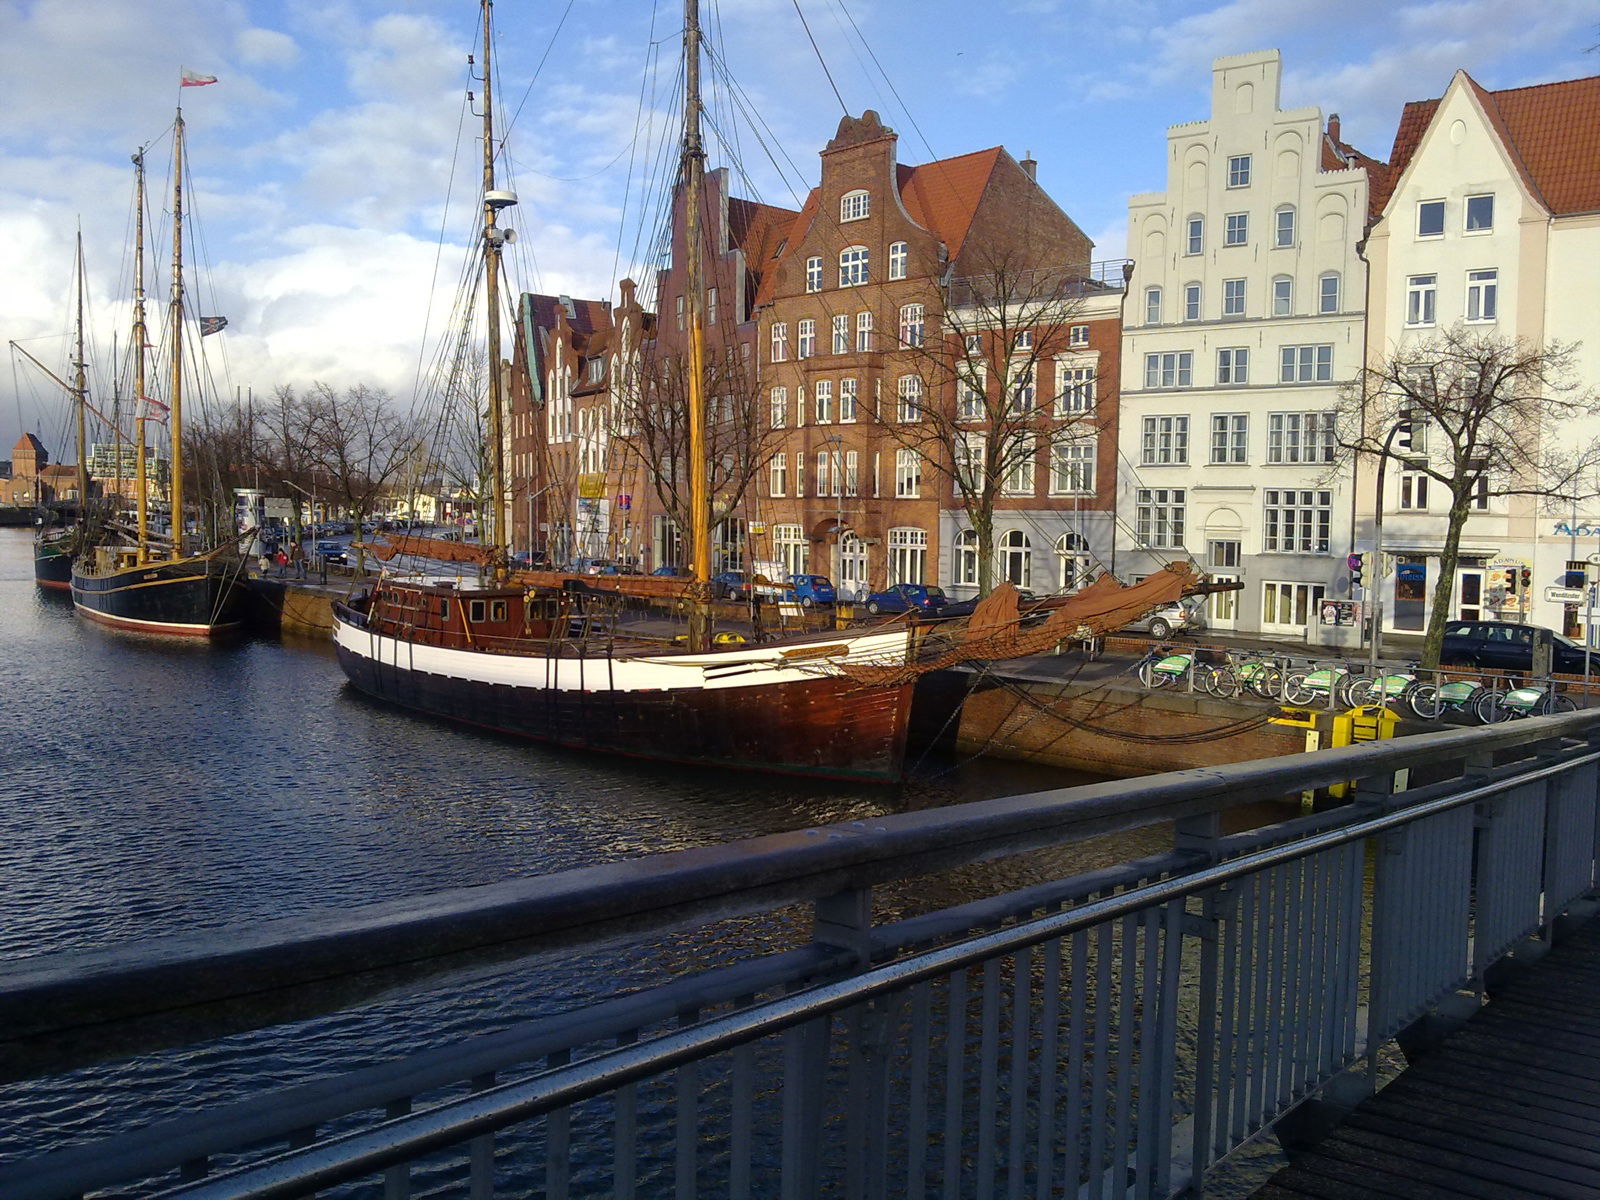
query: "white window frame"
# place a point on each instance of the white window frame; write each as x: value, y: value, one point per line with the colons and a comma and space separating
x: 847, y: 401
x: 780, y: 407
x: 864, y: 332
x: 907, y: 554
x: 907, y: 475
x: 1283, y: 295
x: 1019, y: 459
x: 1152, y: 306
x: 1467, y: 206
x: 1169, y: 369
x: 854, y: 266
x: 1160, y: 515
x: 1300, y: 438
x: 778, y: 476
x: 841, y: 333
x: 908, y: 398
x: 814, y: 273
x: 1329, y: 299
x: 1483, y: 296
x: 1422, y: 300
x: 1283, y: 226
x: 969, y: 454
x: 780, y: 341
x: 1296, y: 521
x: 1233, y: 297
x: 1426, y: 209
x: 899, y: 259
x: 1075, y: 387
x: 1192, y: 308
x: 822, y: 401
x: 805, y: 338
x: 1311, y: 363
x: 1194, y: 233
x: 1164, y: 440
x: 1239, y: 169
x: 1236, y: 229
x: 913, y: 326
x: 1233, y: 365
x: 1077, y: 335
x: 855, y: 205
x: 1015, y: 552
x: 1298, y: 600
x: 1230, y: 439
x: 965, y: 567
x: 972, y: 386
x: 1072, y: 467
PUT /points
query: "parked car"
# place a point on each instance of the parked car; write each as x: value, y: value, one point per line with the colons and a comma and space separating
x: 812, y: 590
x: 530, y: 560
x: 730, y: 585
x: 1503, y: 646
x: 908, y: 597
x: 331, y: 552
x: 673, y: 572
x: 1186, y: 616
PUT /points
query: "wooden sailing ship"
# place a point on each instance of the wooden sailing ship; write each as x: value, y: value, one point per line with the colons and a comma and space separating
x: 153, y: 586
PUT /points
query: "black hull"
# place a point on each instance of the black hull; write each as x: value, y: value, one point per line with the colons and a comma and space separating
x: 194, y: 597
x: 828, y: 728
x: 52, y: 566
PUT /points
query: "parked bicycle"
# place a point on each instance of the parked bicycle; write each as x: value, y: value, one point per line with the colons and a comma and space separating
x: 1161, y: 667
x: 1533, y: 701
x: 1394, y: 687
x: 1304, y: 687
x: 1431, y: 700
x: 1262, y: 676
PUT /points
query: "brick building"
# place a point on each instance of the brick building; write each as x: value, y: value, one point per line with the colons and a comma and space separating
x: 34, y: 479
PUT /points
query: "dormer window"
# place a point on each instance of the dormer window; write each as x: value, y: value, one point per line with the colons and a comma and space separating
x: 853, y: 206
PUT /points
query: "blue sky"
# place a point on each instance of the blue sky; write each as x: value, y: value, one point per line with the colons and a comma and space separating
x: 326, y: 154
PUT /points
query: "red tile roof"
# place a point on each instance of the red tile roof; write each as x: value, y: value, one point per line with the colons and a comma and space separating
x: 757, y: 229
x: 1551, y: 131
x: 943, y: 195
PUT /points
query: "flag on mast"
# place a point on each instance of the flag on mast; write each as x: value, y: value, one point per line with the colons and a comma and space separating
x: 194, y: 79
x: 210, y: 325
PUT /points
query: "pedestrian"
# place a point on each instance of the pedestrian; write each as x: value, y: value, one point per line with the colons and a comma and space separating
x: 282, y: 560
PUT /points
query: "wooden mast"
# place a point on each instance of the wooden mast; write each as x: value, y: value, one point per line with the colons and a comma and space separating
x: 80, y: 395
x: 694, y: 289
x: 492, y: 239
x: 175, y: 325
x: 140, y: 337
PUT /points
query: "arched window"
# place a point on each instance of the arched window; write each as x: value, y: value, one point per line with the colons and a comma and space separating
x: 853, y: 266
x: 967, y: 556
x: 1016, y: 558
x: 853, y: 206
x: 1073, y: 564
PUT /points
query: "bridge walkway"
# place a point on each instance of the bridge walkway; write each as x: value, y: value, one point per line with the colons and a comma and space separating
x: 1506, y: 1106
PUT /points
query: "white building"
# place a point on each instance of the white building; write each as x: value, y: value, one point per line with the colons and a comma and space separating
x: 1244, y: 317
x: 1488, y: 217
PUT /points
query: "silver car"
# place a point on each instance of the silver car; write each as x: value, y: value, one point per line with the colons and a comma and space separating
x: 1187, y: 616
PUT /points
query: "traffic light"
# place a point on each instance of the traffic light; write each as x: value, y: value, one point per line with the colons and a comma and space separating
x: 1527, y: 577
x: 1357, y: 565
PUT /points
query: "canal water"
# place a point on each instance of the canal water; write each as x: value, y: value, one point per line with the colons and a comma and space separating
x: 153, y: 788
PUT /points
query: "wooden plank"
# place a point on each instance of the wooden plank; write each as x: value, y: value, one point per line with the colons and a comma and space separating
x: 1481, y: 1141
x: 1388, y: 1172
x: 1485, y: 1092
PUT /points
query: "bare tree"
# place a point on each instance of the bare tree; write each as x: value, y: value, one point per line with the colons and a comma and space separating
x: 358, y: 442
x: 989, y: 343
x: 1480, y: 415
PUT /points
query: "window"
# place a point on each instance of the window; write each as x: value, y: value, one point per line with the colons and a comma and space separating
x: 1017, y: 459
x: 1306, y: 364
x: 908, y: 555
x: 1072, y: 468
x: 841, y: 333
x: 1024, y: 395
x: 1479, y: 467
x: 1078, y: 335
x: 1421, y: 297
x: 1233, y: 297
x: 1283, y: 226
x: 1413, y: 487
x: 1233, y: 365
x: 780, y: 341
x: 1300, y: 437
x: 1073, y: 562
x: 1290, y: 604
x: 826, y: 484
x: 974, y: 343
x: 847, y: 400
x: 1024, y: 340
x: 1297, y: 522
x: 1191, y: 302
x: 1165, y: 442
x: 907, y: 474
x: 1430, y: 218
x: 1016, y: 558
x: 1328, y: 293
x: 852, y: 266
x: 778, y: 476
x: 1195, y: 239
x: 1175, y: 368
x: 814, y: 273
x: 711, y: 306
x: 898, y: 260
x: 863, y: 332
x: 800, y: 405
x: 852, y: 474
x: 1482, y: 295
x: 806, y: 338
x: 790, y: 548
x: 780, y: 407
x: 1075, y: 391
x: 1152, y: 306
x: 909, y: 395
x: 966, y: 564
x: 971, y: 383
x: 1480, y: 214
x: 970, y: 454
x: 1158, y: 516
x: 1237, y: 230
x: 1229, y: 437
x: 911, y: 325
x: 800, y: 474
x: 853, y: 206
x: 1223, y: 554
x: 1239, y: 170
x: 822, y: 392
x: 679, y: 307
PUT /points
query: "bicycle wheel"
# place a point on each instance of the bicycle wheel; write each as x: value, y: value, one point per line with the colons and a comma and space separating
x: 1363, y: 691
x: 1146, y: 671
x: 1267, y: 683
x: 1296, y: 690
x: 1488, y: 709
x: 1222, y: 682
x: 1424, y: 700
x: 1553, y: 703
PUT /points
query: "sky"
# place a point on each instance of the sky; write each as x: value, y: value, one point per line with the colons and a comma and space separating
x: 335, y: 171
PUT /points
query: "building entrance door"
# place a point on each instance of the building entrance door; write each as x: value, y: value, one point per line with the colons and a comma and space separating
x: 1469, y: 591
x: 1222, y: 608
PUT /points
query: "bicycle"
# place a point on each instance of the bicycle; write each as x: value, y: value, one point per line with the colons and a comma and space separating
x: 1540, y: 701
x: 1261, y: 676
x: 1431, y: 700
x: 1396, y: 687
x: 1161, y: 668
x: 1303, y: 687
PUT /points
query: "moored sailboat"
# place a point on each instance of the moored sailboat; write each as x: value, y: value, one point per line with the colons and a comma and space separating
x: 143, y: 587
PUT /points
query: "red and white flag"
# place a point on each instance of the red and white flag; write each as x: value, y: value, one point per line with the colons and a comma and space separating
x: 194, y: 79
x: 160, y: 410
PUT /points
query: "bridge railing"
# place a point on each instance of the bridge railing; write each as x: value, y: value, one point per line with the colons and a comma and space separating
x: 1123, y: 1028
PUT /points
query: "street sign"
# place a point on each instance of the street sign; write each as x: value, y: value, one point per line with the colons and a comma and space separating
x: 1563, y: 595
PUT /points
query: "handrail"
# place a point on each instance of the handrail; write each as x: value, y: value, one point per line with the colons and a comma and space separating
x: 83, y: 1006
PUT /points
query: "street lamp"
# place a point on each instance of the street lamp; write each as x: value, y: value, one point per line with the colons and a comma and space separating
x: 1377, y: 542
x: 838, y: 513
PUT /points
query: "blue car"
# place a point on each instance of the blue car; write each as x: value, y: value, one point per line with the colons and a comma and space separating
x: 812, y: 590
x: 908, y: 597
x: 332, y: 552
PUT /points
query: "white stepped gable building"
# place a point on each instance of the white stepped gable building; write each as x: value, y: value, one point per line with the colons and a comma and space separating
x: 1488, y: 218
x: 1244, y: 317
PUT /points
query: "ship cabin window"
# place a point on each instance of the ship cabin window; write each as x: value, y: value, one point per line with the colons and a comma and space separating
x: 444, y: 608
x: 497, y: 611
x: 476, y: 610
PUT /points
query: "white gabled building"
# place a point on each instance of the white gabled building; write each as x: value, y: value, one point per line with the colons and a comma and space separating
x: 1488, y: 216
x: 1244, y: 317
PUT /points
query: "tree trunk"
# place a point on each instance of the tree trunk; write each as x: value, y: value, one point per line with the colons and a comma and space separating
x: 983, y: 526
x: 1444, y: 590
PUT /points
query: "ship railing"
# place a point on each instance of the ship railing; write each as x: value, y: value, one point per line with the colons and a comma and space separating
x: 1119, y: 1029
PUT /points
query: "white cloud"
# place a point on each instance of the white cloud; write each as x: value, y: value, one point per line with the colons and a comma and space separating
x: 266, y: 48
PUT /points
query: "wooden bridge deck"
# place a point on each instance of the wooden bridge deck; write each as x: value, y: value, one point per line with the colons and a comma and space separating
x: 1507, y: 1106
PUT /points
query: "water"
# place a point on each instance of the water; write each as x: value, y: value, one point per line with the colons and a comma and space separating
x: 153, y: 788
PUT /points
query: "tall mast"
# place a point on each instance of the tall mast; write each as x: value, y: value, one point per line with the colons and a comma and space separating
x: 80, y: 393
x: 175, y: 324
x: 493, y: 201
x: 140, y: 337
x: 694, y: 288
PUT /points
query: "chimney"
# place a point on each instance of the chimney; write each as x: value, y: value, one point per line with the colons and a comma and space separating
x: 1029, y: 165
x: 1333, y: 128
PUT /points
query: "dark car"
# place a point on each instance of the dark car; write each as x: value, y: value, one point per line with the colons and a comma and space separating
x: 673, y: 572
x: 331, y: 552
x: 730, y: 585
x: 812, y: 589
x: 908, y: 597
x: 1503, y: 646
